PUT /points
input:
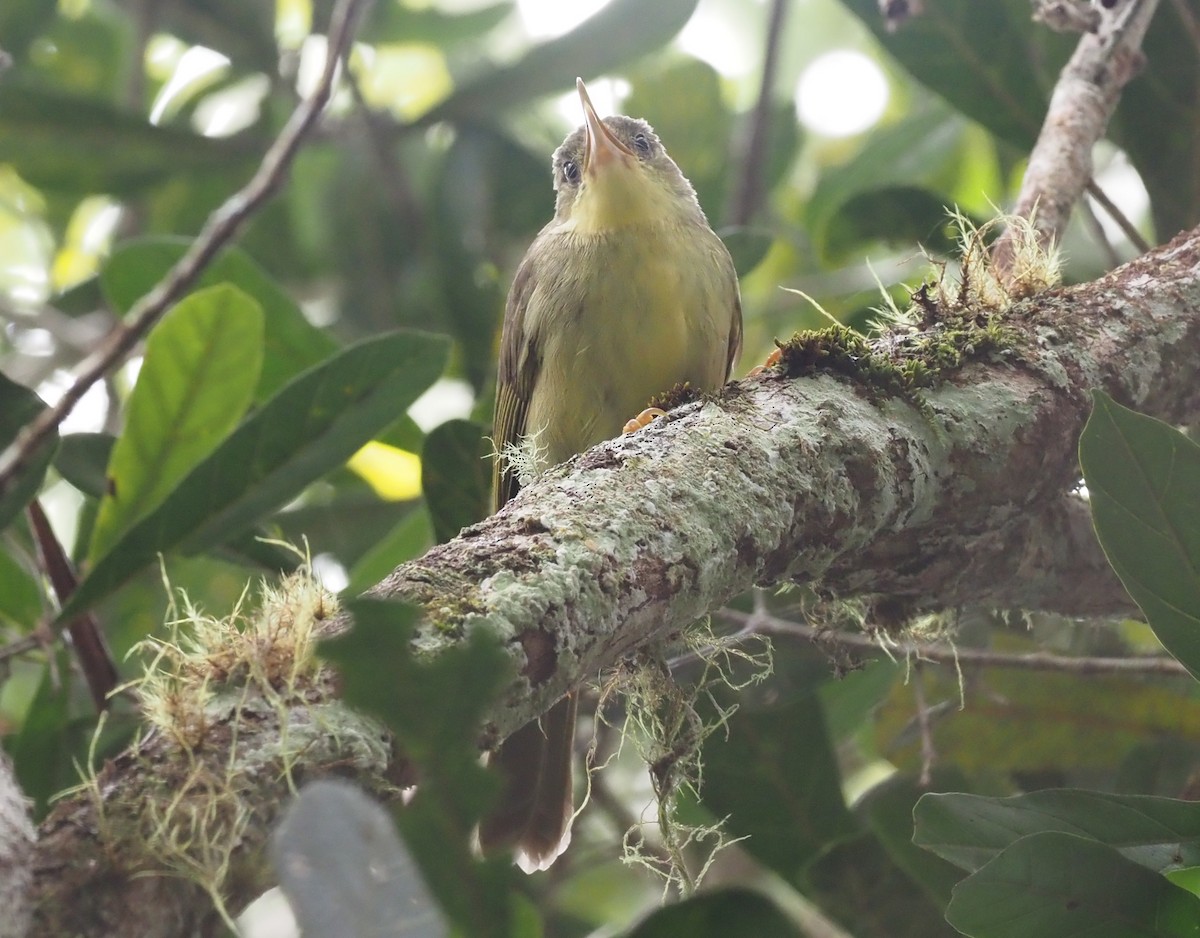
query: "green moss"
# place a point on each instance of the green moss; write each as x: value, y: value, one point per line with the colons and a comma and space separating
x: 905, y: 360
x: 679, y: 395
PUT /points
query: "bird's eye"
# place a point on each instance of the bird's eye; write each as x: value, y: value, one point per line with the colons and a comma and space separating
x: 570, y: 171
x: 642, y: 142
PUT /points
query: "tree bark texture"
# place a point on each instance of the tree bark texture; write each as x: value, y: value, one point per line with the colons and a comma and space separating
x: 959, y: 495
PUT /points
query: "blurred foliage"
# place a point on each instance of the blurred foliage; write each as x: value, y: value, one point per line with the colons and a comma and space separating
x: 382, y: 266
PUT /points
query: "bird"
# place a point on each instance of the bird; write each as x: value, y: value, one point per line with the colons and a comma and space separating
x: 624, y: 294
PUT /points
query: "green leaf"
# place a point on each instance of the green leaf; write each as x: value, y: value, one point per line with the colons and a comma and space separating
x: 408, y: 539
x: 43, y: 134
x: 456, y: 476
x: 620, y: 33
x: 1053, y: 884
x: 20, y: 596
x: 921, y: 150
x: 849, y: 702
x: 747, y: 246
x: 718, y: 914
x: 1039, y: 721
x: 314, y: 424
x: 1143, y: 478
x: 988, y: 60
x: 893, y: 215
x: 291, y: 342
x: 858, y: 884
x: 397, y: 22
x: 197, y: 378
x: 776, y: 778
x: 41, y: 751
x: 345, y: 870
x: 19, y: 406
x: 888, y: 809
x: 82, y: 459
x: 22, y: 21
x: 509, y: 192
x: 243, y: 31
x: 436, y: 708
x: 1160, y: 834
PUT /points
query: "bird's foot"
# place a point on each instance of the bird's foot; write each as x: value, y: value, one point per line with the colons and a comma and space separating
x: 645, y: 418
x: 772, y: 360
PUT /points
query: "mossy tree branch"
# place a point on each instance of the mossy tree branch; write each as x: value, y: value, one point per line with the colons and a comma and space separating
x: 827, y: 482
x: 943, y: 496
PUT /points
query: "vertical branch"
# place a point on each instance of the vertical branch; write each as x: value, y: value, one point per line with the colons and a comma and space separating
x: 747, y: 194
x: 1083, y: 102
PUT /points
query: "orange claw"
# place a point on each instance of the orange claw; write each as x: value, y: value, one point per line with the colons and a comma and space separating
x: 772, y: 360
x: 643, y: 419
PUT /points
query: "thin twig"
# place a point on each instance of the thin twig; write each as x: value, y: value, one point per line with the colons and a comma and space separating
x: 396, y: 186
x: 87, y: 638
x: 222, y: 225
x: 944, y: 654
x: 748, y: 192
x: 1122, y: 220
x: 1099, y: 235
x: 928, y: 751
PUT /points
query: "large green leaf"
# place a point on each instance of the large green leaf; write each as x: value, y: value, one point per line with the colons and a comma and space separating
x: 989, y: 60
x: 82, y: 459
x: 345, y: 870
x: 400, y: 22
x: 243, y: 31
x: 1025, y: 721
x: 408, y: 539
x: 888, y: 809
x: 435, y: 708
x: 620, y: 33
x: 292, y: 343
x: 20, y: 595
x: 21, y: 21
x: 197, y: 378
x: 776, y: 778
x: 1144, y: 482
x: 456, y: 476
x: 919, y: 152
x: 43, y: 134
x: 969, y: 830
x: 859, y: 885
x: 1052, y: 884
x: 718, y: 914
x: 312, y: 425
x: 18, y: 406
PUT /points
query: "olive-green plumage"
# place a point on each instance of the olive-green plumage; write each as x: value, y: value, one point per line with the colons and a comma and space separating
x: 624, y: 294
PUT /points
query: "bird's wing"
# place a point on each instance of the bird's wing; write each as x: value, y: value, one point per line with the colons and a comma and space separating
x: 520, y: 361
x: 735, y: 325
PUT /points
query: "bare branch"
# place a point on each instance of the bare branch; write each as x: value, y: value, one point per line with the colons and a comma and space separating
x: 1083, y: 102
x: 220, y: 228
x: 748, y: 190
x: 766, y: 624
x: 1110, y: 207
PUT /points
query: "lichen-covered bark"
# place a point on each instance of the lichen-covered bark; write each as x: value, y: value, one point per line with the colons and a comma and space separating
x: 960, y: 498
x: 818, y: 482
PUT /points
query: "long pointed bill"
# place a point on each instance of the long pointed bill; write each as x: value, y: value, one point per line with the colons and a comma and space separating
x: 603, y: 147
